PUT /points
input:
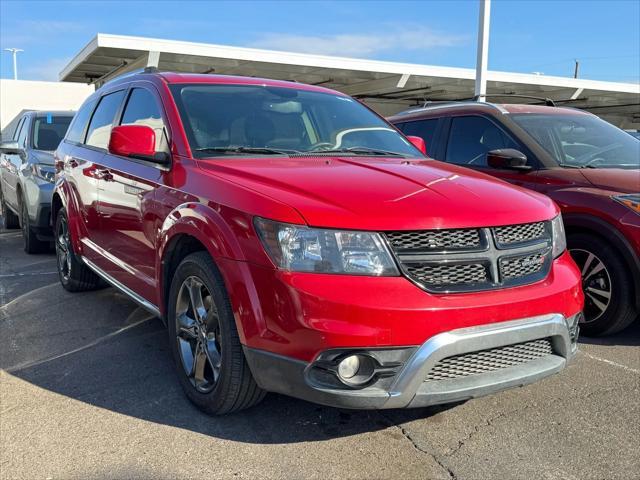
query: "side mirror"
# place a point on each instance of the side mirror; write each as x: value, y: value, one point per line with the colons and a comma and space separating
x: 136, y: 141
x: 508, y: 158
x: 418, y: 142
x: 10, y: 147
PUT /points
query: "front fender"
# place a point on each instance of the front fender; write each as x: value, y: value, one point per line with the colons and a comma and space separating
x: 204, y: 224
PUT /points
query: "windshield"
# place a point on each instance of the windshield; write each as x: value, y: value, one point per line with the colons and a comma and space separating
x: 247, y: 119
x: 48, y: 131
x: 582, y: 141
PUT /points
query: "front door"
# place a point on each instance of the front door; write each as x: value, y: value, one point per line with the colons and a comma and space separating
x: 472, y: 137
x: 12, y: 163
x: 127, y: 208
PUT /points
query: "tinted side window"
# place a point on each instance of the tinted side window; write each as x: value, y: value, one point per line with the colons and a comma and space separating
x: 424, y: 129
x: 79, y: 124
x: 143, y: 109
x: 102, y: 120
x: 22, y: 136
x: 471, y: 138
x: 16, y: 132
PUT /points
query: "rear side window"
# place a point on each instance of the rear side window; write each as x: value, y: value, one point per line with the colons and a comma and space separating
x: 16, y: 132
x: 22, y: 135
x: 424, y: 129
x: 49, y: 131
x: 102, y: 120
x: 79, y: 124
x: 471, y: 138
x: 143, y: 109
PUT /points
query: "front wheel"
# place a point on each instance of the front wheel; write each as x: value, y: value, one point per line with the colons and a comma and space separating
x: 204, y: 340
x: 607, y: 285
x: 31, y: 242
x: 10, y: 219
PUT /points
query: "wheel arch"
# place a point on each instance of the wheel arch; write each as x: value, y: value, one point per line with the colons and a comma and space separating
x: 576, y: 223
x: 190, y: 228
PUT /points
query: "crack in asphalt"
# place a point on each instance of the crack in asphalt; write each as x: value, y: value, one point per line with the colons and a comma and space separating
x: 406, y: 434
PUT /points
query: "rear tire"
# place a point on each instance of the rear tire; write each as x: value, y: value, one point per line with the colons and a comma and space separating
x: 74, y: 275
x: 607, y: 285
x: 204, y: 340
x: 10, y: 219
x: 31, y: 242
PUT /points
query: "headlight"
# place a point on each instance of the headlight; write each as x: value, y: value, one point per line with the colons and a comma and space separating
x: 303, y: 249
x: 631, y: 201
x: 44, y: 172
x: 559, y: 237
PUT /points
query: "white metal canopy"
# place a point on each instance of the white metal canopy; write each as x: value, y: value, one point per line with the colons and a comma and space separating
x: 387, y: 86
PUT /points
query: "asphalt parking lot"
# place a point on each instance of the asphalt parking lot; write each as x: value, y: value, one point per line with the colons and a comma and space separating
x: 88, y: 391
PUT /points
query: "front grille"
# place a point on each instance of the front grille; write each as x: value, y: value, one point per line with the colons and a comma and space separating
x: 521, y: 266
x: 434, y: 239
x: 513, y: 234
x: 490, y: 360
x: 448, y: 274
x: 473, y: 259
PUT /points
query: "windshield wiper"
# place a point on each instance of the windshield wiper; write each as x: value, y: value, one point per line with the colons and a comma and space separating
x: 361, y: 151
x: 259, y: 150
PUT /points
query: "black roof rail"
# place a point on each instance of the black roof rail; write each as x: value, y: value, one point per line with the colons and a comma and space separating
x: 547, y: 101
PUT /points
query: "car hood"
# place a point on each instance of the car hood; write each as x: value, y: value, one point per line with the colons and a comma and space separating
x: 384, y: 194
x: 614, y: 179
x: 42, y: 156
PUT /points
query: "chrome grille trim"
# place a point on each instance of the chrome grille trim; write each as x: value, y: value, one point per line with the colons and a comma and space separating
x: 483, y: 361
x: 437, y: 261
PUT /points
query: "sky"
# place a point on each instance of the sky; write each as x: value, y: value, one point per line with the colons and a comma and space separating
x: 544, y: 36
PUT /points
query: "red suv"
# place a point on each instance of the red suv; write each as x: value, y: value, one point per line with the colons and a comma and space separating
x: 294, y: 242
x: 588, y: 166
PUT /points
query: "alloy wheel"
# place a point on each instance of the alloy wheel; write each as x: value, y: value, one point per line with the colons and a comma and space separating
x: 596, y: 283
x: 63, y: 249
x: 198, y: 334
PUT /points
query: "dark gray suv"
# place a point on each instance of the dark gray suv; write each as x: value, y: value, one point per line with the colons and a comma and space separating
x: 27, y: 175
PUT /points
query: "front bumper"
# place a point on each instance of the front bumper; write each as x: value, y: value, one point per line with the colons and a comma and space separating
x: 409, y: 387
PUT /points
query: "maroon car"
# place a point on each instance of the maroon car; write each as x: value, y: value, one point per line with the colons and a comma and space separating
x: 588, y: 166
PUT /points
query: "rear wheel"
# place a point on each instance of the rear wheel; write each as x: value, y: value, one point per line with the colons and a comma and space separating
x: 10, y: 219
x: 74, y: 275
x: 205, y: 343
x: 607, y: 285
x: 31, y: 242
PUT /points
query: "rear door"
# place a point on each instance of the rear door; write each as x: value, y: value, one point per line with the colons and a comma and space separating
x: 127, y: 208
x: 471, y: 137
x: 429, y: 129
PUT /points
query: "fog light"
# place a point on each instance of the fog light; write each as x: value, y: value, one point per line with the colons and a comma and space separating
x: 349, y: 367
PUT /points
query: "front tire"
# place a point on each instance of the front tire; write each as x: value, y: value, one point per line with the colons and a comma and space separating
x: 204, y: 340
x: 31, y: 242
x: 607, y: 285
x: 10, y: 219
x: 74, y: 275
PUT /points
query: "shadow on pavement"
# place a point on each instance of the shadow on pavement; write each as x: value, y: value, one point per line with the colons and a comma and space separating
x: 133, y: 374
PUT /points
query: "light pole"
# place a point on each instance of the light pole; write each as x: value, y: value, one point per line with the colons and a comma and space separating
x: 15, y: 60
x: 483, y: 49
